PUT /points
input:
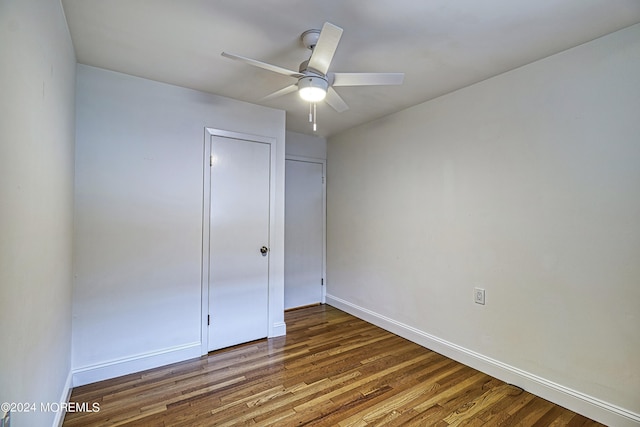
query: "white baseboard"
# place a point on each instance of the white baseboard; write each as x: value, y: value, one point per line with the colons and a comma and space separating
x: 278, y: 329
x: 574, y: 400
x: 135, y: 363
x: 64, y: 398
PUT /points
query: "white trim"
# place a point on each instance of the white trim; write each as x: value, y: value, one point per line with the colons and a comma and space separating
x: 574, y: 400
x: 204, y: 262
x: 64, y: 399
x: 306, y: 159
x: 323, y: 162
x: 136, y: 363
x: 279, y: 329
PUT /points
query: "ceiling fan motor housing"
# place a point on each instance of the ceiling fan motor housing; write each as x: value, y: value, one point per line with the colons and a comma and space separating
x: 305, y: 69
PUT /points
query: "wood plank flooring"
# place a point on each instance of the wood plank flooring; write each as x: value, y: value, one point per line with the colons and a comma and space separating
x: 331, y: 369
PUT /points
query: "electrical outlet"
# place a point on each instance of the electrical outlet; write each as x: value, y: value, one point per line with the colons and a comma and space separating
x: 478, y: 295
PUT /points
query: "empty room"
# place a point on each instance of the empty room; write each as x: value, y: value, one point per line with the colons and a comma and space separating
x: 335, y: 213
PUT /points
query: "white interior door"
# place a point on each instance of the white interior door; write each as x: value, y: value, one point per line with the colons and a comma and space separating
x: 238, y: 229
x: 303, y: 234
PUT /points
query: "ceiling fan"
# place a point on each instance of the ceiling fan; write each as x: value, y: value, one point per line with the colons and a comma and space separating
x: 315, y: 82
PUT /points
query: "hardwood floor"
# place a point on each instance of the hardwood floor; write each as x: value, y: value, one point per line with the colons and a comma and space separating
x: 331, y: 369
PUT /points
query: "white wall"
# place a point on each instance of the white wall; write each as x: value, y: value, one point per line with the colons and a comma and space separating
x: 37, y: 84
x: 138, y: 237
x: 527, y: 185
x: 301, y: 145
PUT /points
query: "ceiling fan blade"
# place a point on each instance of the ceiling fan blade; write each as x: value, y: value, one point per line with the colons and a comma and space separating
x: 367, y: 79
x: 281, y: 92
x: 335, y: 101
x: 263, y: 65
x: 325, y: 48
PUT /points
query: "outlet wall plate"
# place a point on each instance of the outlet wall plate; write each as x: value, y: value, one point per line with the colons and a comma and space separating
x: 478, y: 295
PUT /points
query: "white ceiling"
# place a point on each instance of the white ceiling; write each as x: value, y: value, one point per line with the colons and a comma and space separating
x: 440, y: 45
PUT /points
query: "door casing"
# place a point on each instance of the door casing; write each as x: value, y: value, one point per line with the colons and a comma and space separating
x: 206, y: 204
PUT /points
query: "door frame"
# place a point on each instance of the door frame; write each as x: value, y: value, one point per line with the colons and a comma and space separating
x: 323, y: 162
x: 206, y: 207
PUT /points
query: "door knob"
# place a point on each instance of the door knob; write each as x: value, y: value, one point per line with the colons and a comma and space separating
x: 264, y: 250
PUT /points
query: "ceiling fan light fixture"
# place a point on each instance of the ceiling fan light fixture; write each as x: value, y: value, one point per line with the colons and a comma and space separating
x: 312, y: 88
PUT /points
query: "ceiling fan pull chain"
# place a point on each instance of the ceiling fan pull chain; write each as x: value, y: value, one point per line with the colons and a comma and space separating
x: 314, y: 117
